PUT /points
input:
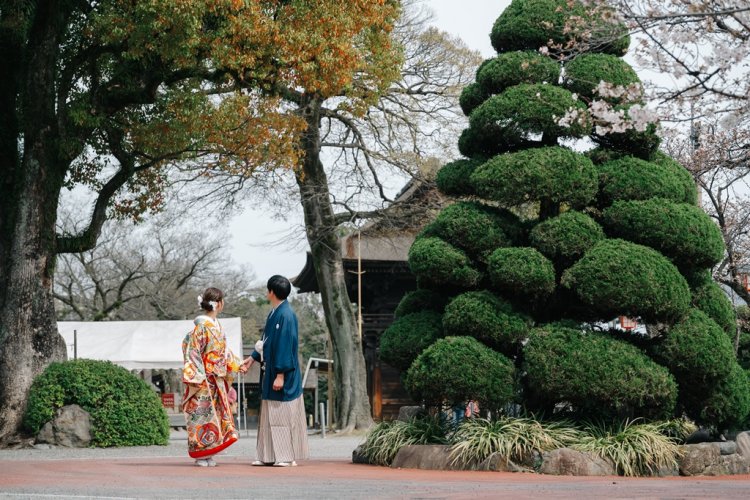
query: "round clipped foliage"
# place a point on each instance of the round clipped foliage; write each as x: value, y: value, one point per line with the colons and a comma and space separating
x: 487, y: 318
x: 682, y: 232
x: 474, y: 228
x: 471, y: 96
x: 453, y: 178
x: 454, y: 370
x: 598, y: 375
x: 567, y: 237
x: 409, y: 335
x: 696, y: 350
x: 641, y: 144
x: 726, y: 404
x: 526, y: 110
x: 617, y: 277
x: 553, y: 173
x: 530, y: 24
x: 680, y: 172
x: 711, y: 299
x: 521, y: 270
x: 124, y: 410
x: 513, y: 68
x: 421, y: 300
x: 584, y: 73
x: 438, y: 262
x: 475, y: 143
x: 630, y: 178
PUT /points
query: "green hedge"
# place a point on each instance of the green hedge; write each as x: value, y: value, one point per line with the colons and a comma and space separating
x: 565, y: 238
x: 453, y: 178
x: 456, y: 369
x: 409, y: 335
x: 487, y: 318
x: 471, y: 96
x: 630, y: 178
x: 682, y: 232
x: 554, y: 173
x: 124, y: 410
x: 680, y: 172
x: 530, y: 24
x: 711, y: 299
x: 521, y: 270
x: 421, y: 300
x: 599, y: 376
x: 618, y: 277
x: 725, y: 405
x: 436, y: 261
x: 529, y: 109
x: 513, y: 68
x: 585, y: 71
x: 473, y: 228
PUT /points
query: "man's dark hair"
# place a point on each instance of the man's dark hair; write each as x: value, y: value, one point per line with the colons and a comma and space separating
x: 280, y: 286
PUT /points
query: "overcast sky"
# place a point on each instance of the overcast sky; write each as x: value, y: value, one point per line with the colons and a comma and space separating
x: 254, y: 236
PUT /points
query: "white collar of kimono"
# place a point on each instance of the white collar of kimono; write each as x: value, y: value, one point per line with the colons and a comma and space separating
x: 202, y: 317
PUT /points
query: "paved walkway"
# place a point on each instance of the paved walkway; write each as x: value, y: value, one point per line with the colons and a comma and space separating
x: 167, y: 472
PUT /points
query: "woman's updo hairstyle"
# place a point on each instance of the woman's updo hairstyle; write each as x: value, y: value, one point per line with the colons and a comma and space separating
x: 210, y: 298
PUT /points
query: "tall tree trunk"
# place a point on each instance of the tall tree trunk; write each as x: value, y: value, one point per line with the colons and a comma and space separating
x: 352, y: 404
x: 29, y: 340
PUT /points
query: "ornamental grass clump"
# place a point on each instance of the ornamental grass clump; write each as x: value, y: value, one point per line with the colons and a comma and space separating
x: 514, y: 439
x: 635, y: 449
x: 386, y: 438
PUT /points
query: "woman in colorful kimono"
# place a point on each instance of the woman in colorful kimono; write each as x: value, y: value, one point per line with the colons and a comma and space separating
x: 207, y: 374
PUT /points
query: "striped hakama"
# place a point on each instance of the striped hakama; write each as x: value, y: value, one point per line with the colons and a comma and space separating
x: 282, y: 431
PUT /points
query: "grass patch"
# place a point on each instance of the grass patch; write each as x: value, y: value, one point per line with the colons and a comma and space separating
x: 386, y: 438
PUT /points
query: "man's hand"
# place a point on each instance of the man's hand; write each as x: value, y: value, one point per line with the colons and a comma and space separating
x: 278, y: 382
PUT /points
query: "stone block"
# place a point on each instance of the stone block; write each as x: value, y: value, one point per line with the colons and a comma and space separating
x: 567, y: 462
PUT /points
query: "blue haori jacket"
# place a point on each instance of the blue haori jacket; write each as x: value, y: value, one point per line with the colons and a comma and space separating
x: 280, y: 354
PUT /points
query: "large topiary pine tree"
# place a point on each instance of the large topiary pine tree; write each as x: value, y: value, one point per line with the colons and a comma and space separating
x: 548, y: 239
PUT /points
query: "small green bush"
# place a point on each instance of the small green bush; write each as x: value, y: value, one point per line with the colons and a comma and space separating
x: 453, y: 178
x: 554, y: 173
x: 457, y: 369
x: 530, y: 24
x: 124, y: 410
x: 640, y: 144
x: 421, y: 300
x: 696, y: 351
x: 682, y: 232
x: 585, y: 71
x: 471, y: 96
x: 513, y: 68
x: 597, y: 375
x: 618, y: 277
x: 521, y: 270
x: 530, y: 109
x: 631, y: 178
x: 386, y: 438
x: 565, y: 238
x: 408, y: 336
x: 436, y: 261
x: 726, y: 405
x: 681, y: 173
x: 471, y: 227
x: 487, y: 318
x: 711, y: 299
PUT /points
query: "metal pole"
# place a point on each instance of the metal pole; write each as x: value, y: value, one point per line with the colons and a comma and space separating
x: 323, y: 419
x: 75, y: 344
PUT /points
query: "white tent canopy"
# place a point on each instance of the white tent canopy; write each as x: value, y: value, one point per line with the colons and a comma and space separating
x: 138, y: 345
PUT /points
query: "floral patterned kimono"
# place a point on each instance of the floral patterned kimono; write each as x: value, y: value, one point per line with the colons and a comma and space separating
x: 207, y: 374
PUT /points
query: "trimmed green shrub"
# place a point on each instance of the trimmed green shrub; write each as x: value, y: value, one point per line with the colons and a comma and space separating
x: 680, y: 172
x: 476, y: 143
x: 436, y: 261
x: 618, y: 277
x: 631, y: 178
x: 471, y: 227
x: 124, y: 410
x: 457, y: 369
x: 530, y: 109
x: 585, y: 71
x: 726, y: 405
x: 408, y: 336
x: 641, y: 144
x: 597, y: 375
x: 565, y: 238
x: 421, y: 300
x: 711, y: 299
x: 696, y: 350
x: 527, y: 24
x: 521, y: 270
x: 513, y: 68
x: 453, y: 178
x: 471, y: 96
x: 487, y: 318
x: 682, y: 232
x: 554, y: 173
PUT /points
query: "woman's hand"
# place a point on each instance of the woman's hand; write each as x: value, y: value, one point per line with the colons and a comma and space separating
x: 245, y: 366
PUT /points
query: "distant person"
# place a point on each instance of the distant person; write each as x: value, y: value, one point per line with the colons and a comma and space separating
x: 207, y: 374
x: 282, y: 429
